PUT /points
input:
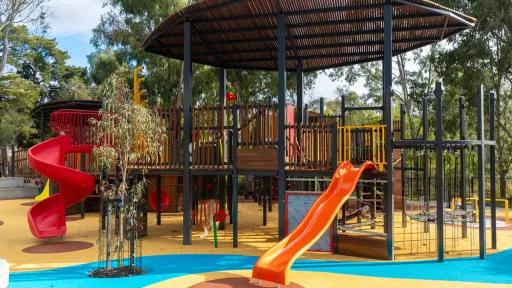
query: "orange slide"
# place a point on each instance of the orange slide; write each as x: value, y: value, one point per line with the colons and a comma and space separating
x: 275, y: 264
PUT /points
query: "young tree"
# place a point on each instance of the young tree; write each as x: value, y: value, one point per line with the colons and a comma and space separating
x: 13, y: 12
x: 124, y: 134
x: 17, y: 98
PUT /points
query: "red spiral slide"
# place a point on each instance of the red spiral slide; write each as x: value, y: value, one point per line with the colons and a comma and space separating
x: 48, y: 217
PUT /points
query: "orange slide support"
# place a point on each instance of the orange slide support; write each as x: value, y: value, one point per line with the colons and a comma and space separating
x: 275, y: 264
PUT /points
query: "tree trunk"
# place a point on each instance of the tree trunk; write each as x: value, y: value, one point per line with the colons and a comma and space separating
x: 5, y: 53
x: 503, y: 184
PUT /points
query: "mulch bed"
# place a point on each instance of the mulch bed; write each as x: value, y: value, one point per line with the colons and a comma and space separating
x: 241, y: 282
x: 58, y: 247
x: 73, y: 218
x: 115, y: 273
x: 29, y: 204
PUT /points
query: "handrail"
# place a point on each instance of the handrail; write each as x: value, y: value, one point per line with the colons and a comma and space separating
x: 373, y: 138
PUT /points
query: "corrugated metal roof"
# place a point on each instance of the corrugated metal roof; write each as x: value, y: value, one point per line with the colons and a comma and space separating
x: 320, y: 33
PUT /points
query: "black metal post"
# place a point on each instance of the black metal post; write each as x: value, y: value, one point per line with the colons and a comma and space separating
x: 13, y: 161
x: 281, y: 103
x: 426, y: 163
x: 82, y: 168
x: 234, y: 176
x: 334, y: 155
x: 42, y: 126
x: 481, y: 171
x: 221, y: 179
x: 158, y: 200
x: 187, y: 133
x: 387, y: 73
x: 403, y: 163
x: 492, y: 166
x: 438, y: 92
x: 322, y: 112
x: 343, y: 123
x: 463, y: 163
x: 264, y: 201
x: 220, y: 113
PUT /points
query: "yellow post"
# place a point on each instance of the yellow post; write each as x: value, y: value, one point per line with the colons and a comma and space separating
x: 137, y: 81
x: 506, y: 212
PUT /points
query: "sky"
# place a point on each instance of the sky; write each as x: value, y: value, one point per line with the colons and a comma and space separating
x: 71, y: 23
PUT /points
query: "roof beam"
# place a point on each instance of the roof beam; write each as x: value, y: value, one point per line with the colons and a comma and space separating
x: 309, y: 24
x: 307, y: 57
x: 319, y: 46
x: 202, y: 19
x: 321, y: 35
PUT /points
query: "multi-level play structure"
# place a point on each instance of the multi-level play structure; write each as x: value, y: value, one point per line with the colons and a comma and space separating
x: 422, y: 197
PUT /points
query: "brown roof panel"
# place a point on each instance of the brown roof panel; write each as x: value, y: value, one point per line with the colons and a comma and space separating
x: 320, y: 33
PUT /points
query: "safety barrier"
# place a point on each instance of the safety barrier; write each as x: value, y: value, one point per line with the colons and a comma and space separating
x: 362, y: 143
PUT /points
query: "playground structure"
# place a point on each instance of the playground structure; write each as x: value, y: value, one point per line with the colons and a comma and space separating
x: 412, y: 202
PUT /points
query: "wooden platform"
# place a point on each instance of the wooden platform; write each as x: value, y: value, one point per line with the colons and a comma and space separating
x: 366, y: 246
x: 257, y: 159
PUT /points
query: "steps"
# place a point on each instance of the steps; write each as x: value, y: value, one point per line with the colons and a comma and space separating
x: 16, y: 188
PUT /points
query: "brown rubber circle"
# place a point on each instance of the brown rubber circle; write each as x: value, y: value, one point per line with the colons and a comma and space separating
x: 58, y: 247
x: 241, y: 282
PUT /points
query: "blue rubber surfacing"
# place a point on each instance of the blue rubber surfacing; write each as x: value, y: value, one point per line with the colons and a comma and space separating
x: 496, y: 269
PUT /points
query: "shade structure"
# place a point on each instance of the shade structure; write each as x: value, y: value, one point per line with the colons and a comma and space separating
x: 319, y: 33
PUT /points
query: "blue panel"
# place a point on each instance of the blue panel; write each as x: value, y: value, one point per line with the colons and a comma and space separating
x: 297, y: 206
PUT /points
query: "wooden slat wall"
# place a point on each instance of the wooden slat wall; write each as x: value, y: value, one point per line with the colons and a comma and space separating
x: 311, y: 150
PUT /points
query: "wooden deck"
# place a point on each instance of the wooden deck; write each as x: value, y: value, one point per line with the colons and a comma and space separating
x: 312, y: 148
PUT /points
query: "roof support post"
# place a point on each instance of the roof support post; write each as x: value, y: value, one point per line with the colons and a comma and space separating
x: 426, y: 163
x: 187, y: 127
x: 387, y: 73
x: 403, y: 164
x: 438, y: 92
x: 281, y: 103
x: 463, y: 163
x: 492, y: 166
x: 322, y: 107
x: 220, y: 115
x: 481, y: 171
x: 234, y: 175
x: 221, y: 179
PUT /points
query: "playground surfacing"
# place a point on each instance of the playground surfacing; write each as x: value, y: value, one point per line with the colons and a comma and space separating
x: 170, y: 264
x: 190, y: 269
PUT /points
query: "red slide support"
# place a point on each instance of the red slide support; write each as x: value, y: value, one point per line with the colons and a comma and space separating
x: 48, y: 217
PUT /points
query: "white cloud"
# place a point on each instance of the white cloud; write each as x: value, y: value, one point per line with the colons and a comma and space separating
x: 74, y: 17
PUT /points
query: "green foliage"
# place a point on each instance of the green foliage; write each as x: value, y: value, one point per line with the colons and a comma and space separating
x: 17, y: 98
x: 122, y: 31
x: 39, y: 60
x: 483, y: 56
x: 102, y: 65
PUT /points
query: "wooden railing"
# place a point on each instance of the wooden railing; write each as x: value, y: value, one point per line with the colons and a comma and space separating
x: 209, y: 137
x: 21, y: 166
x: 258, y: 126
x: 361, y: 143
x: 308, y: 147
